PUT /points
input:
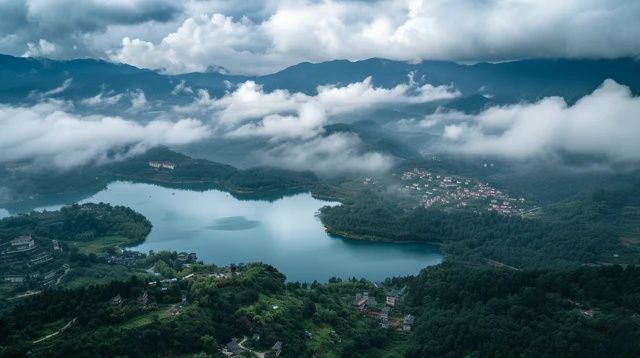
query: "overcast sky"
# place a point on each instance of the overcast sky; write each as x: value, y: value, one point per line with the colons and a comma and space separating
x: 255, y: 37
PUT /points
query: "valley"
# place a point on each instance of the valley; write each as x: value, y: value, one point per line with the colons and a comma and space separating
x: 346, y: 208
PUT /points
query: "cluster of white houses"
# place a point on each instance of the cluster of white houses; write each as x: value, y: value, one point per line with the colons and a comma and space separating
x: 162, y: 165
x: 455, y: 191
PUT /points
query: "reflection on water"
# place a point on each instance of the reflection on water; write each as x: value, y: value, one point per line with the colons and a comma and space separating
x: 284, y: 233
x: 234, y: 223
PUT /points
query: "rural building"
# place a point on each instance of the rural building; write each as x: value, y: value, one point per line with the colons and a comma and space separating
x: 277, y: 348
x: 407, y: 323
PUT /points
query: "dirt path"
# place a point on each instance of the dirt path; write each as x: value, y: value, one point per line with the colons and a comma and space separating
x: 241, y: 344
x: 56, y: 332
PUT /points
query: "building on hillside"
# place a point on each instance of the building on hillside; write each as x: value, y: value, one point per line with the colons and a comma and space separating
x: 154, y: 164
x: 22, y: 244
x: 385, y: 312
x: 362, y: 300
x: 183, y: 257
x: 116, y: 300
x: 143, y: 299
x: 14, y: 278
x: 277, y: 348
x: 40, y: 258
x: 168, y: 165
x: 391, y: 300
x: 407, y: 323
x: 232, y: 348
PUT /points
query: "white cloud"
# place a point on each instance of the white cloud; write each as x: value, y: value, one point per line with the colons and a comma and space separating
x: 182, y: 88
x: 307, y: 123
x: 605, y: 123
x: 328, y: 155
x: 41, y: 48
x: 293, y: 123
x: 52, y: 92
x: 46, y: 134
x: 250, y: 111
x: 138, y: 100
x: 466, y: 30
x: 103, y: 99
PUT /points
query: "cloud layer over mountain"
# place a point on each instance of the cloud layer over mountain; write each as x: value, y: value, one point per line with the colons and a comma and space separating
x: 260, y: 37
x: 603, y: 124
x: 48, y: 134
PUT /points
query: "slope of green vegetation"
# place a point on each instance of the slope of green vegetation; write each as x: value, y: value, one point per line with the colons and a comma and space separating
x: 585, y: 312
x: 65, y: 244
x: 585, y: 232
x: 46, y: 187
x: 253, y: 303
x: 460, y: 311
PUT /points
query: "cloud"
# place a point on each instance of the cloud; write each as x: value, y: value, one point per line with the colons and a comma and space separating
x: 103, y: 99
x: 307, y: 123
x: 190, y: 47
x: 605, y: 123
x: 72, y: 25
x: 250, y: 111
x: 52, y: 92
x: 328, y: 155
x: 41, y: 48
x: 47, y: 134
x: 138, y: 100
x: 411, y: 30
x: 293, y: 123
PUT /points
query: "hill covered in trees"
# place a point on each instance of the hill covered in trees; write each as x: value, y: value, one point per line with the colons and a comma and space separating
x: 459, y: 311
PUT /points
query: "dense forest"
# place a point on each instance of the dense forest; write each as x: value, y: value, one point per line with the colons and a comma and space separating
x: 585, y: 312
x: 460, y: 311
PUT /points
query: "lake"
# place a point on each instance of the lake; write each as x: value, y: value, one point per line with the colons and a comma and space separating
x: 284, y: 233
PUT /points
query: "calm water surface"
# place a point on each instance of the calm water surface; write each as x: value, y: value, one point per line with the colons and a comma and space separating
x: 284, y: 233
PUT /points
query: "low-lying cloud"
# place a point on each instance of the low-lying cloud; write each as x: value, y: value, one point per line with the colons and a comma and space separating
x: 603, y: 124
x: 251, y: 111
x: 328, y: 155
x: 293, y: 123
x: 47, y: 134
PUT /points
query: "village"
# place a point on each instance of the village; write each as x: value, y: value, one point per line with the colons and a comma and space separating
x: 428, y: 189
x: 387, y: 313
x: 43, y: 270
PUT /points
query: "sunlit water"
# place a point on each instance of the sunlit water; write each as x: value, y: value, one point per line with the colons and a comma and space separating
x: 284, y: 233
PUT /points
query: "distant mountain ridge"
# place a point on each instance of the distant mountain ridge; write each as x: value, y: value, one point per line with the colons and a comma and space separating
x: 506, y: 82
